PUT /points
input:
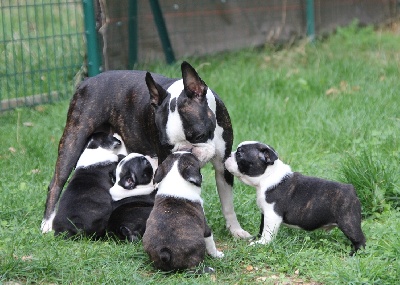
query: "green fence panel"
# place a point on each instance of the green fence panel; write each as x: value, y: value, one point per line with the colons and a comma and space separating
x: 41, y: 51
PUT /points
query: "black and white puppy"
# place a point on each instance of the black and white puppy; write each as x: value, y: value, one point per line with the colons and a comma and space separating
x: 133, y: 197
x: 291, y: 198
x: 155, y: 115
x: 85, y: 205
x: 177, y: 235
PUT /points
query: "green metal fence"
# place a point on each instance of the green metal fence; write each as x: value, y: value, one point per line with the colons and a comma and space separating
x: 42, y: 50
x: 44, y: 43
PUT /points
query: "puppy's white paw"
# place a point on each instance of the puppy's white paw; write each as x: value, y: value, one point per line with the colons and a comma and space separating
x: 260, y: 241
x: 216, y: 254
x: 240, y: 233
x: 47, y: 224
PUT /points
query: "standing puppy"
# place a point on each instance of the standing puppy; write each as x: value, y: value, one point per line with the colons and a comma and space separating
x: 291, y: 198
x: 133, y: 197
x: 85, y: 205
x: 177, y: 235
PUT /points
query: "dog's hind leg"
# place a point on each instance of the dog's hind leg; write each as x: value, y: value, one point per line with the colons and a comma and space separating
x: 79, y: 126
x: 351, y: 227
x: 70, y: 148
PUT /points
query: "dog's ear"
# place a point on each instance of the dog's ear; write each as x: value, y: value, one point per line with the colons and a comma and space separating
x: 159, y: 174
x: 194, y: 87
x: 193, y: 176
x: 268, y: 156
x: 112, y: 175
x: 157, y: 93
x: 190, y: 171
x: 116, y: 143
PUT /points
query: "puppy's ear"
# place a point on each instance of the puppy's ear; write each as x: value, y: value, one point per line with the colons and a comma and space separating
x: 268, y: 156
x: 160, y: 174
x: 157, y: 93
x: 116, y: 143
x: 193, y: 176
x: 194, y: 87
x: 190, y: 171
x: 112, y: 176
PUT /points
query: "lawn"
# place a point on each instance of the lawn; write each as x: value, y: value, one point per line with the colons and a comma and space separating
x: 331, y: 109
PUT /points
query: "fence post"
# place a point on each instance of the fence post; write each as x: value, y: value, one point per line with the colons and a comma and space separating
x: 310, y: 20
x: 93, y: 57
x: 162, y: 31
x: 133, y: 34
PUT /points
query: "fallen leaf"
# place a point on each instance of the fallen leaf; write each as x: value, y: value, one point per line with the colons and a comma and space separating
x: 332, y: 91
x: 343, y: 85
x: 11, y: 149
x: 28, y: 124
x: 249, y: 268
x: 27, y: 258
x: 35, y: 171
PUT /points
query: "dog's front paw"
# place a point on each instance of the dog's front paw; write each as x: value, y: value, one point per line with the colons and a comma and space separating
x: 240, y: 233
x: 217, y: 254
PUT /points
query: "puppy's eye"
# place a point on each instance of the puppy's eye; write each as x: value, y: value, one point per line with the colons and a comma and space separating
x: 200, y: 138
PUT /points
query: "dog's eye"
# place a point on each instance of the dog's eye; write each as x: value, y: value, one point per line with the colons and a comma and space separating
x: 200, y: 138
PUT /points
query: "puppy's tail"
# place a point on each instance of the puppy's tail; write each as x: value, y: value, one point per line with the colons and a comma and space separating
x: 165, y: 255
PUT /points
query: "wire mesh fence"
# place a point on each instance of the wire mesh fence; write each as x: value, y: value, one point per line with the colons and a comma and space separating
x: 41, y: 50
x: 196, y: 28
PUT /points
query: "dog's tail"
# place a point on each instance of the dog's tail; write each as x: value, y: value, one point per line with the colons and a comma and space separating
x: 165, y: 255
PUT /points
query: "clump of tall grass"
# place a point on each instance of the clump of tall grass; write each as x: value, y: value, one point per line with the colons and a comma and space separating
x: 373, y: 179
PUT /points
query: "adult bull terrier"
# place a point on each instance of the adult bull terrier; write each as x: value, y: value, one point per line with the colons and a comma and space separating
x: 293, y: 199
x: 85, y: 205
x: 177, y: 235
x: 178, y: 113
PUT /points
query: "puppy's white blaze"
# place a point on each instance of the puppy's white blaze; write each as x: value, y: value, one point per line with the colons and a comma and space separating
x: 122, y: 148
x: 211, y: 248
x: 94, y: 156
x: 173, y: 185
x: 47, y: 225
x: 117, y: 192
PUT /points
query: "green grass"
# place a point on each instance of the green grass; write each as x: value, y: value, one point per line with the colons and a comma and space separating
x: 330, y: 109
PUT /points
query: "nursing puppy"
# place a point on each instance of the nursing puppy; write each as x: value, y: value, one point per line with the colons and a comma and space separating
x: 177, y: 235
x: 291, y: 198
x: 133, y: 197
x: 85, y: 205
x: 155, y: 115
